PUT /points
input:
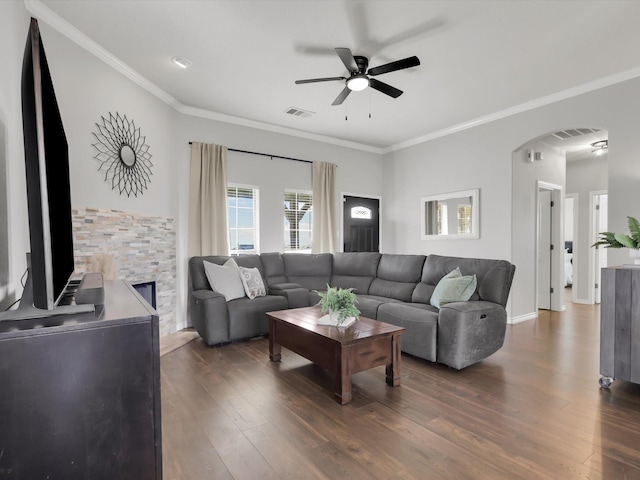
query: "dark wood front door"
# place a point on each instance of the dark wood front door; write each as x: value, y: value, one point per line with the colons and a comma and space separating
x: 361, y: 226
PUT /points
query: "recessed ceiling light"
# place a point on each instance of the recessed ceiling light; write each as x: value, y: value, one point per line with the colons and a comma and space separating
x: 182, y: 62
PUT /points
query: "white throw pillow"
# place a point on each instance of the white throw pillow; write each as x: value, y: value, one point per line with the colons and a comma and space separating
x: 252, y: 281
x: 225, y: 279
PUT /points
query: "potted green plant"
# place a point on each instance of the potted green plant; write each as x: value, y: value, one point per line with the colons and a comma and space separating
x: 339, y: 304
x: 621, y: 240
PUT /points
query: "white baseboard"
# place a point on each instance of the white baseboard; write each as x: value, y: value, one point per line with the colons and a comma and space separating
x: 583, y: 301
x: 522, y: 318
x: 181, y: 326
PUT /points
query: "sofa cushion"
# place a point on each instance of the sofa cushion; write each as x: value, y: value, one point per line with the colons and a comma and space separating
x: 249, y: 261
x: 397, y: 276
x: 252, y: 282
x: 369, y: 304
x: 421, y: 327
x: 312, y: 272
x: 354, y: 270
x: 453, y: 287
x: 494, y: 277
x: 273, y: 268
x: 296, y: 295
x: 225, y: 279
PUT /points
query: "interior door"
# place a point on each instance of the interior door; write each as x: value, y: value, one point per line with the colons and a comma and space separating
x: 544, y: 249
x: 600, y: 253
x: 361, y: 224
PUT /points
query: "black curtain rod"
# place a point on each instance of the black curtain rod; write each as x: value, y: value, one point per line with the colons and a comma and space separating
x: 266, y: 155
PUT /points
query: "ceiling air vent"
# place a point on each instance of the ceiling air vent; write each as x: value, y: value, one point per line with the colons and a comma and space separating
x: 298, y: 112
x: 564, y: 134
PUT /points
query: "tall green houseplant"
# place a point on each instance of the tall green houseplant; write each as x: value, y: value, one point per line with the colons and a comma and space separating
x: 621, y: 240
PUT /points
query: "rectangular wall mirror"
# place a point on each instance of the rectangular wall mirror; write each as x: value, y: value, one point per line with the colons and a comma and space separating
x: 452, y: 215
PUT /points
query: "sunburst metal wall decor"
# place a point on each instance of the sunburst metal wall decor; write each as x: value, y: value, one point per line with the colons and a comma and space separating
x: 123, y: 155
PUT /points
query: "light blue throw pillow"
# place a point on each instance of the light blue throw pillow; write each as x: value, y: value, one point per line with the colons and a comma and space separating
x: 453, y: 287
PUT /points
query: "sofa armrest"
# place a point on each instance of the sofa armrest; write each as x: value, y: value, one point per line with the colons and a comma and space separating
x: 296, y: 295
x: 209, y: 316
x: 469, y: 332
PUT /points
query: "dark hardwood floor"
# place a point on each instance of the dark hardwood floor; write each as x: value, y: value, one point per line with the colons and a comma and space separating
x: 533, y: 410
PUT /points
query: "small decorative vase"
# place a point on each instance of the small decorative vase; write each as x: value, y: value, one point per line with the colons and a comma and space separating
x: 635, y: 254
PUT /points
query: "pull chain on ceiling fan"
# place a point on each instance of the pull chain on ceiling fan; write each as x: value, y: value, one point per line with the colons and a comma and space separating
x: 360, y: 78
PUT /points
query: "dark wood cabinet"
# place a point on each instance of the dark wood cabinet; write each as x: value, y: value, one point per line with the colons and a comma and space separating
x: 620, y: 325
x: 80, y: 394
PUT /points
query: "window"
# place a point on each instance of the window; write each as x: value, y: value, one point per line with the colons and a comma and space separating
x: 242, y: 207
x: 361, y: 212
x: 464, y: 219
x: 443, y: 219
x: 298, y: 213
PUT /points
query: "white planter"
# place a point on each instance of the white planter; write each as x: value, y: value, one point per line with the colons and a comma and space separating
x: 635, y: 254
x: 332, y: 319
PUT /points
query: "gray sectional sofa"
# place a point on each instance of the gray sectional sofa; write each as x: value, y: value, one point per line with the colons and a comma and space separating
x: 391, y: 288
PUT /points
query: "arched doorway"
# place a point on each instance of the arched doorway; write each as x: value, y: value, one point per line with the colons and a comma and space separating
x: 562, y: 163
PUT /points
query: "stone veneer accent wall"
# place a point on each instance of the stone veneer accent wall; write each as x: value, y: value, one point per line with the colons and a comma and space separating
x: 132, y: 247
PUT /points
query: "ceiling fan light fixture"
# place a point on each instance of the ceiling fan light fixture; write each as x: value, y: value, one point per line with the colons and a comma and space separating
x: 357, y: 83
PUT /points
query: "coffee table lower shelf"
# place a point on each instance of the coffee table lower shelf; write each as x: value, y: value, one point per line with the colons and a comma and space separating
x: 343, y: 352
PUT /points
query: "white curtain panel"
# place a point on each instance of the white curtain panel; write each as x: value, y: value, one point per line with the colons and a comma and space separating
x: 324, y: 208
x: 208, y: 223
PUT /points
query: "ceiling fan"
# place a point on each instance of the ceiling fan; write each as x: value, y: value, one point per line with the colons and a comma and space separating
x: 359, y: 77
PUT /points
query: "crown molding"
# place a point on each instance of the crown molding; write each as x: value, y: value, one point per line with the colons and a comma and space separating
x: 221, y: 117
x: 523, y: 107
x: 44, y: 13
x: 38, y: 9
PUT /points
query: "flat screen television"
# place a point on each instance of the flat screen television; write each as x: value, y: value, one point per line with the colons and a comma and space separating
x: 47, y: 170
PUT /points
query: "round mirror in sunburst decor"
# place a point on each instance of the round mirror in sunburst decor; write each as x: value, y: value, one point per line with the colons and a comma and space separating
x: 123, y: 154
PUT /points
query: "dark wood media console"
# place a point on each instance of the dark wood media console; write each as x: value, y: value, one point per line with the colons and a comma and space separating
x: 80, y: 394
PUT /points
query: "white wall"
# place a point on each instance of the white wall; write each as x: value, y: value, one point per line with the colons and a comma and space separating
x: 584, y: 176
x: 88, y: 89
x: 568, y: 213
x: 526, y: 175
x: 14, y: 231
x: 481, y: 158
x: 358, y: 171
x: 461, y: 161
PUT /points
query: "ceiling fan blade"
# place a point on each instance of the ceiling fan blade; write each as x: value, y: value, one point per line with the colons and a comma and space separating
x: 343, y: 95
x: 347, y: 58
x: 314, y: 80
x: 384, y: 88
x: 393, y: 66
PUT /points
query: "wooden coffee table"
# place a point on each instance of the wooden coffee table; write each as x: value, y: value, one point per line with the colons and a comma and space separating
x: 365, y: 344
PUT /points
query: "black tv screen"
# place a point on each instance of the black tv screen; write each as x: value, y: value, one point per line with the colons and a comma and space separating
x: 47, y: 171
